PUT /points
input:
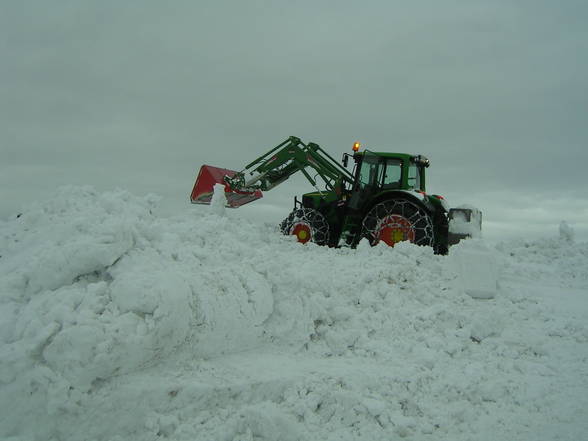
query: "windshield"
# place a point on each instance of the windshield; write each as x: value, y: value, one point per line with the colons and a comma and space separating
x: 377, y: 172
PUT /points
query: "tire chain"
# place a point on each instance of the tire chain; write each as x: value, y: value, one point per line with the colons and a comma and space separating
x: 319, y: 227
x: 421, y: 222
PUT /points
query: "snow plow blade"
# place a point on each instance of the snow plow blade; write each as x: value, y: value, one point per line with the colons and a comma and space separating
x: 208, y: 176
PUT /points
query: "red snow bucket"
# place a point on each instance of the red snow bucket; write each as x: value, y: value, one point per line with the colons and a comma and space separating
x: 204, y: 187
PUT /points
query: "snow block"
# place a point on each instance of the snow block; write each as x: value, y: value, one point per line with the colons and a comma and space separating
x: 477, y: 268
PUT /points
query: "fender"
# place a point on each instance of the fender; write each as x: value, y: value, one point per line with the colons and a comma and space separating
x: 415, y: 196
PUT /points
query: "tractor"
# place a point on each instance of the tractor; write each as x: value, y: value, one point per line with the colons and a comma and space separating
x: 383, y: 198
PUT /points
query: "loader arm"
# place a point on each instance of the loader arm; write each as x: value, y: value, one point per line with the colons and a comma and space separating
x: 287, y: 158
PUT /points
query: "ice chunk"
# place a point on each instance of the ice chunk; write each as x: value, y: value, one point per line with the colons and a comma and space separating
x: 219, y: 200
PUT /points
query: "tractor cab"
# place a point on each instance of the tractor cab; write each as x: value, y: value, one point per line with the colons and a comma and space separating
x: 389, y: 171
x: 378, y: 172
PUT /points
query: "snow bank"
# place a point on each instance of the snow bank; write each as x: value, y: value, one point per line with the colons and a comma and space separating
x: 75, y: 315
x: 117, y: 324
x: 93, y: 285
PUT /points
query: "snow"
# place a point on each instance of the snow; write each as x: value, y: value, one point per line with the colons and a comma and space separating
x: 117, y: 324
x: 460, y: 223
x: 219, y: 200
x: 477, y: 267
x: 566, y: 232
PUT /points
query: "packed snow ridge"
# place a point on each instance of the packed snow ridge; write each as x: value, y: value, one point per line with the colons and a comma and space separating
x: 117, y: 324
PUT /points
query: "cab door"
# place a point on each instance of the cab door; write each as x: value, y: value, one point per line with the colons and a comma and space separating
x: 367, y: 180
x: 392, y: 174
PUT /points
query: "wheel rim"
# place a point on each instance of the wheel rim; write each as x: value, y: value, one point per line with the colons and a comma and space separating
x: 302, y: 232
x: 394, y: 229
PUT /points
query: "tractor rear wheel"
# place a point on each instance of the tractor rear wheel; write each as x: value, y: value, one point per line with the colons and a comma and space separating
x: 397, y: 220
x: 307, y: 225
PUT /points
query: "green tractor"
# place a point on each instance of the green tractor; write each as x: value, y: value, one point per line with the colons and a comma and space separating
x: 383, y: 199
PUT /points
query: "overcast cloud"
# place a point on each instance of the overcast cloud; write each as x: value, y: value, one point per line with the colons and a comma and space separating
x: 139, y: 94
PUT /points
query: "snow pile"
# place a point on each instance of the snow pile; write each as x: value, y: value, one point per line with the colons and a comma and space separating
x: 71, y: 301
x: 119, y: 325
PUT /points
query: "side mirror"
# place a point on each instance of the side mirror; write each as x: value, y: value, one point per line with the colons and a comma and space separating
x: 345, y: 160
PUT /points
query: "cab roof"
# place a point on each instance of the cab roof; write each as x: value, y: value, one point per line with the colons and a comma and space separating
x: 403, y: 156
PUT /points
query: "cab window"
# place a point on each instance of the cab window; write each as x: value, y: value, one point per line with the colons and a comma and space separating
x: 392, y: 174
x: 414, y: 177
x: 368, y: 173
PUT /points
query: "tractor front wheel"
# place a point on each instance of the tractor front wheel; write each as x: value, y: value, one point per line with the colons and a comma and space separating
x: 397, y: 220
x: 307, y: 225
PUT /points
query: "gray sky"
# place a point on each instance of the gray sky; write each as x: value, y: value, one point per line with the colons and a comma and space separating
x: 139, y: 94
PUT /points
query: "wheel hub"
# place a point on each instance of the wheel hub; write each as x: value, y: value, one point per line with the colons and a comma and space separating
x: 395, y: 228
x: 302, y: 232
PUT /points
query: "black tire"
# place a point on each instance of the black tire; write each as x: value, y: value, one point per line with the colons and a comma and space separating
x: 393, y: 218
x: 308, y: 220
x: 441, y: 232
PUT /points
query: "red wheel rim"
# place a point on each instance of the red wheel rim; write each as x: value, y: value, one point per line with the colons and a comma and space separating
x: 394, y: 229
x: 302, y: 232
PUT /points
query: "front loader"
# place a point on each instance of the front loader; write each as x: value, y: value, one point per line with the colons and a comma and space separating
x: 383, y: 199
